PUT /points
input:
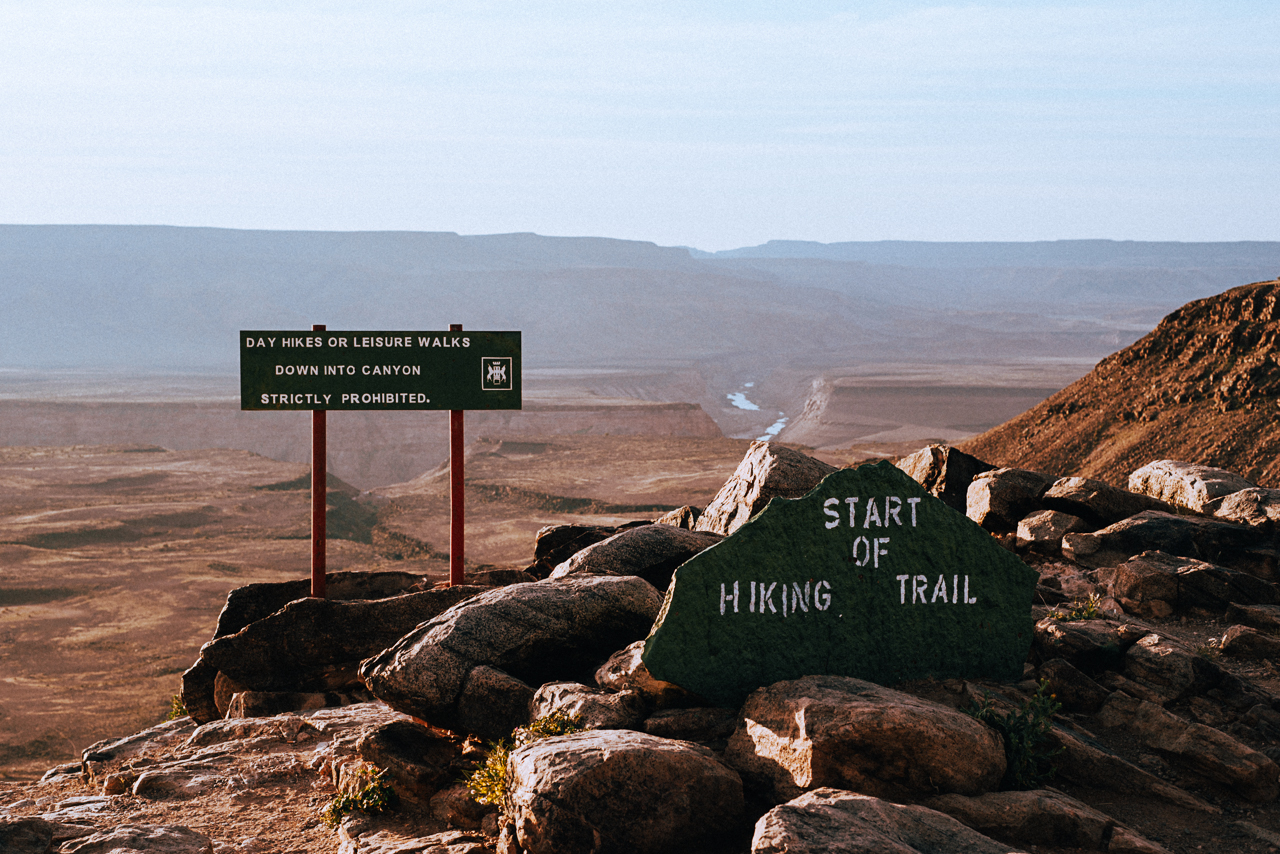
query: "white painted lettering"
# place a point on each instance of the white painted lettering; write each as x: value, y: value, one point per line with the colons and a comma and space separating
x: 853, y: 509
x: 967, y: 600
x: 940, y: 589
x: 821, y: 600
x: 800, y: 597
x: 865, y: 545
x: 725, y: 598
x: 752, y: 606
x: 891, y: 509
x: 766, y: 597
x: 913, y: 502
x: 902, y: 588
x: 879, y: 552
x: 918, y: 585
x: 872, y: 513
x: 826, y: 508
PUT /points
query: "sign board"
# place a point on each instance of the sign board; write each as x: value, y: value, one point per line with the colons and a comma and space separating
x: 328, y: 369
x: 867, y: 576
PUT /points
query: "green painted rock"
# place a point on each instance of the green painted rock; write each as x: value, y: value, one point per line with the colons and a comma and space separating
x: 867, y: 576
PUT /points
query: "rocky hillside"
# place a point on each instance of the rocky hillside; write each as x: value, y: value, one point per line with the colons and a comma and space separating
x: 1203, y: 387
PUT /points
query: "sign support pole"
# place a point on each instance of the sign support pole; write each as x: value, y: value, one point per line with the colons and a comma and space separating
x: 319, y: 476
x: 457, y: 512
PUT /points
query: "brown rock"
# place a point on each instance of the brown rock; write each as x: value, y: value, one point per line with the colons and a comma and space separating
x: 160, y: 840
x: 831, y: 821
x: 589, y: 708
x: 625, y: 671
x: 1156, y: 585
x: 1097, y: 502
x: 1244, y: 642
x: 1169, y: 669
x: 456, y: 807
x: 557, y: 543
x: 682, y: 517
x: 1043, y: 530
x: 418, y: 762
x: 1089, y: 645
x: 652, y: 552
x: 945, y: 472
x: 1203, y: 750
x: 1258, y: 508
x: 619, y: 791
x: 703, y: 725
x: 1037, y: 817
x: 1186, y: 484
x: 998, y: 499
x: 26, y: 836
x: 767, y: 471
x: 837, y: 731
x: 1223, y: 543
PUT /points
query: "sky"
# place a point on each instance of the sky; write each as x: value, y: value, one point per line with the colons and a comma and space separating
x: 706, y: 124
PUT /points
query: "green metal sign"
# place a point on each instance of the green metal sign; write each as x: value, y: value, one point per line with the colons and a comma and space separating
x: 327, y: 369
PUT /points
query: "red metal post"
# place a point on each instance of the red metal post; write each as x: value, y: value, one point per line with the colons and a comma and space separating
x: 319, y: 476
x: 456, y: 504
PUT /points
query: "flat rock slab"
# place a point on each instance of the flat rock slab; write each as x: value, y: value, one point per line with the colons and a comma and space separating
x: 831, y: 821
x: 868, y: 576
x: 145, y: 838
x: 1225, y: 543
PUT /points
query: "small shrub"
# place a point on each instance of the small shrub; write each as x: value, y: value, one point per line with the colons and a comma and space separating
x: 488, y: 783
x: 1027, y: 734
x: 177, y: 709
x: 374, y: 796
x: 1089, y: 609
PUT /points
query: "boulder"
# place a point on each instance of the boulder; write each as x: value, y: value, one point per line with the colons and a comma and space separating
x: 557, y: 543
x: 1259, y: 508
x: 318, y: 644
x: 417, y: 761
x: 151, y: 839
x: 26, y: 836
x: 1186, y: 484
x: 589, y: 708
x: 843, y: 732
x: 652, y: 552
x: 619, y: 791
x: 1098, y: 503
x: 536, y: 633
x: 832, y: 821
x: 944, y: 472
x: 1157, y: 585
x: 998, y: 499
x: 1043, y: 530
x: 1244, y: 642
x: 265, y: 704
x: 682, y: 517
x: 198, y: 687
x: 1037, y: 817
x: 1224, y: 543
x: 767, y: 471
x: 1089, y: 645
x: 1198, y: 748
x: 357, y: 838
x: 707, y: 725
x: 492, y: 703
x: 1264, y: 618
x: 457, y: 807
x: 1170, y: 670
x: 626, y: 671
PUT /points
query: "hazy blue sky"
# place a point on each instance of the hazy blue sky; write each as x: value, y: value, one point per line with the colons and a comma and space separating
x: 716, y: 124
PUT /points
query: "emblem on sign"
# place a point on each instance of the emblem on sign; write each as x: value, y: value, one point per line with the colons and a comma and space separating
x: 497, y: 373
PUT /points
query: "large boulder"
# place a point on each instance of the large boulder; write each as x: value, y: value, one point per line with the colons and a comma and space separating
x: 318, y: 644
x: 1198, y: 748
x: 1189, y: 485
x: 997, y: 500
x: 767, y: 471
x: 417, y: 762
x: 1157, y: 585
x: 1097, y: 502
x: 843, y: 732
x: 832, y: 821
x: 27, y: 835
x: 148, y: 838
x: 1259, y: 508
x: 540, y: 632
x: 652, y: 552
x: 1043, y: 530
x: 555, y: 544
x: 945, y: 472
x: 1224, y: 543
x: 1249, y: 643
x: 1089, y: 645
x: 619, y: 791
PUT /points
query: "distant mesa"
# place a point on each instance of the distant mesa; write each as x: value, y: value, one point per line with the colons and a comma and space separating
x: 1203, y: 387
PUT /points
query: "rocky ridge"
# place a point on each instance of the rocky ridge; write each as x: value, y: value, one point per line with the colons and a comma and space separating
x: 1165, y: 740
x: 1203, y: 387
